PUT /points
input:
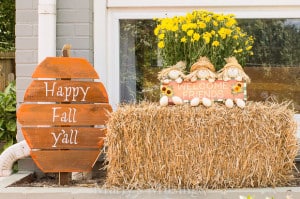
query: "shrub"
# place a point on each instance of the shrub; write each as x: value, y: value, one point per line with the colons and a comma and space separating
x: 8, y: 126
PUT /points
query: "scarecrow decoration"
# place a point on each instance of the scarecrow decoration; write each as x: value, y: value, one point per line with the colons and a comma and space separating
x: 203, y: 85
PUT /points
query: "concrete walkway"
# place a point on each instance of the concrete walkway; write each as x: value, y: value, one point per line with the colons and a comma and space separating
x: 7, y: 192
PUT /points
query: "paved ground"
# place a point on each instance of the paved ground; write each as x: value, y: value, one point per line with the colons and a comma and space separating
x: 7, y: 192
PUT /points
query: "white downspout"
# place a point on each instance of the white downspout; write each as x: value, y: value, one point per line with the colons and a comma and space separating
x: 46, y: 48
x: 10, y: 155
x: 46, y: 29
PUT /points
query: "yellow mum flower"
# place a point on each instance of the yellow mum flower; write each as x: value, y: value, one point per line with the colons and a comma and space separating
x: 215, y: 43
x: 190, y: 32
x: 230, y: 23
x: 201, y: 24
x: 206, y: 37
x: 156, y: 30
x: 189, y: 16
x: 248, y: 47
x: 161, y: 36
x: 174, y: 28
x: 223, y: 32
x: 220, y: 18
x: 207, y: 19
x: 215, y: 23
x: 192, y: 26
x: 184, y: 27
x: 183, y: 39
x: 238, y: 51
x: 161, y: 44
x: 181, y: 19
x: 196, y: 36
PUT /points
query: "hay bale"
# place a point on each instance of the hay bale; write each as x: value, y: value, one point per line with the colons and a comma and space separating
x: 185, y: 147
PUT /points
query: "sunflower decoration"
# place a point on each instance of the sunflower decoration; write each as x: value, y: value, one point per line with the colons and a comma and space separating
x: 166, y: 90
x: 167, y: 95
x: 237, y: 88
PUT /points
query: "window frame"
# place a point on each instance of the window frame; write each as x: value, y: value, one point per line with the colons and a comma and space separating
x: 107, y: 14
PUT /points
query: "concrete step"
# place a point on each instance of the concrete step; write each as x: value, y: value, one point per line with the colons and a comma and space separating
x: 7, y: 192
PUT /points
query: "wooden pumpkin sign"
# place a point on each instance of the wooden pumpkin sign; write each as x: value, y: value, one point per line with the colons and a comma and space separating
x: 63, y: 115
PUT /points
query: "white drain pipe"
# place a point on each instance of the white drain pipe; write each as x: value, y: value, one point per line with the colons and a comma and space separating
x: 12, y: 154
x: 46, y: 29
x: 46, y: 48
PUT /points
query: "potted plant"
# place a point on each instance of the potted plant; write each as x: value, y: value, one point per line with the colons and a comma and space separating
x: 8, y: 126
x: 202, y: 33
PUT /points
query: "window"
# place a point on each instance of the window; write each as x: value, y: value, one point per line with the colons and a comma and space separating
x: 274, y: 68
x: 128, y: 62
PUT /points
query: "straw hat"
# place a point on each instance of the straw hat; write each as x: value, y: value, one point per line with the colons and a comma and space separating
x: 232, y: 62
x: 179, y: 66
x: 203, y: 63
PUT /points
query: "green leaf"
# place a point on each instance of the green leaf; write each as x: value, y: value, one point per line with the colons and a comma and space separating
x: 11, y: 125
x: 1, y: 134
x: 8, y: 144
x: 11, y: 108
x: 1, y: 122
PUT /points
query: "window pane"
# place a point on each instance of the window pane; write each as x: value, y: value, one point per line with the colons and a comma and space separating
x: 138, y: 61
x: 274, y: 69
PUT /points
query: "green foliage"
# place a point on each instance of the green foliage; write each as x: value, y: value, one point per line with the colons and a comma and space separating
x: 8, y: 125
x: 276, y: 42
x: 7, y: 25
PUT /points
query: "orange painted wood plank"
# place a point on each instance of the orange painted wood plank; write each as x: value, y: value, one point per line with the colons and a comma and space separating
x: 64, y: 137
x: 63, y: 114
x: 65, y: 160
x: 65, y: 91
x: 65, y: 67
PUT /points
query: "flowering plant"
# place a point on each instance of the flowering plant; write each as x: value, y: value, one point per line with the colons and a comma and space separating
x: 202, y: 33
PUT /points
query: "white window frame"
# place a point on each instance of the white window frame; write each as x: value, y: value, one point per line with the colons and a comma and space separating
x: 107, y: 14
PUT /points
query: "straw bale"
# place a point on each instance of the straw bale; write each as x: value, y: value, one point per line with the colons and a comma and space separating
x: 184, y: 147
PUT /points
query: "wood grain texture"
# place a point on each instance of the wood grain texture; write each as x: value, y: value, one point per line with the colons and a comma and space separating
x: 63, y: 114
x: 65, y: 160
x: 65, y: 67
x: 64, y: 137
x: 65, y: 91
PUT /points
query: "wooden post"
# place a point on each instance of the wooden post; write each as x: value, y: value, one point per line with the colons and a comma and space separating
x: 64, y: 177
